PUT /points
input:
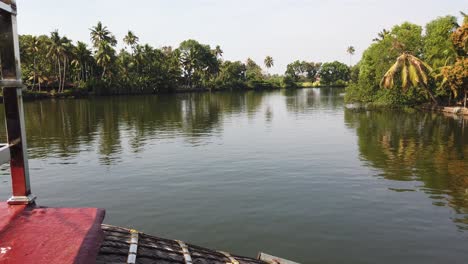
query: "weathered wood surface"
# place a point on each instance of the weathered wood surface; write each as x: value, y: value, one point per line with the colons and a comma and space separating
x: 152, y: 249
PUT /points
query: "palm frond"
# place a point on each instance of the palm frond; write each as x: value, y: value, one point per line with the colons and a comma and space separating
x: 404, y: 77
x: 413, y: 75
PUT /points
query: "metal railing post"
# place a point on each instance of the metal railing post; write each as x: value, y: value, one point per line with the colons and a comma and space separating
x: 11, y: 84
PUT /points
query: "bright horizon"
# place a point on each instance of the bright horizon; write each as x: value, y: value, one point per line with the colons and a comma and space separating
x: 286, y: 30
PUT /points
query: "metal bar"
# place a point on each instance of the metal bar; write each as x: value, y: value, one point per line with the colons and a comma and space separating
x: 16, y: 135
x: 4, y: 154
x: 13, y: 103
x: 7, y: 8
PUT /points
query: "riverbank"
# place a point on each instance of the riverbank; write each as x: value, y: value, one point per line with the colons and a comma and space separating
x: 455, y: 110
x: 79, y: 93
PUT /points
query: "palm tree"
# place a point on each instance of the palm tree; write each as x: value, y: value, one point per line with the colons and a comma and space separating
x: 33, y: 49
x: 56, y: 51
x: 82, y: 56
x: 67, y: 54
x: 412, y: 71
x: 104, y: 56
x: 100, y: 33
x: 269, y: 62
x: 131, y: 40
x: 41, y: 78
x: 218, y: 52
x: 381, y: 35
x: 350, y: 51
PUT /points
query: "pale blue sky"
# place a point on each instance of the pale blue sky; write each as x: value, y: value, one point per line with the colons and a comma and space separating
x: 287, y: 30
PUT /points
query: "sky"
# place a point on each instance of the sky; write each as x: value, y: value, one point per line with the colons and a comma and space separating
x: 287, y: 30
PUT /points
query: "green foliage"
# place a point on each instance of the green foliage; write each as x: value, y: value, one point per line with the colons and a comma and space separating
x: 438, y: 48
x: 199, y: 64
x: 253, y: 71
x: 269, y: 62
x: 231, y: 75
x: 334, y: 73
x: 302, y: 71
x: 377, y: 59
x: 444, y: 46
x: 289, y: 82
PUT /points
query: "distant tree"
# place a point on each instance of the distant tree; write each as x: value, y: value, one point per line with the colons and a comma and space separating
x: 100, y: 33
x: 253, y: 71
x: 412, y: 71
x: 332, y: 73
x: 295, y: 70
x: 455, y: 76
x: 59, y: 48
x: 232, y: 74
x: 268, y: 62
x: 438, y: 48
x: 381, y: 35
x: 198, y: 62
x: 350, y: 50
x: 82, y: 60
x: 33, y: 50
x: 131, y: 40
x: 105, y: 56
x: 218, y: 52
x: 378, y: 58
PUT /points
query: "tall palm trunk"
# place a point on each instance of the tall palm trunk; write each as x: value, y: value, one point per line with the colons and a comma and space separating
x: 59, y: 74
x: 34, y: 72
x: 64, y: 73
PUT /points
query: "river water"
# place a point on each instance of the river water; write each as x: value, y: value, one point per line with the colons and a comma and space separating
x: 290, y: 173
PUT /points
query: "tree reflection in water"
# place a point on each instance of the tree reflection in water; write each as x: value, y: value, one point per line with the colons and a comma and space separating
x: 408, y: 145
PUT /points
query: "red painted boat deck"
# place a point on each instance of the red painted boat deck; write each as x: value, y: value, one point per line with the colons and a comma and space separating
x: 49, y: 235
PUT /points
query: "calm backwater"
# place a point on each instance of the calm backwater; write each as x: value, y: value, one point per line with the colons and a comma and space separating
x: 290, y: 173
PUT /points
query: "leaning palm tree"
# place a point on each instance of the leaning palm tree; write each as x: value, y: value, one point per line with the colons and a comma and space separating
x: 350, y: 51
x: 412, y: 71
x: 269, y: 62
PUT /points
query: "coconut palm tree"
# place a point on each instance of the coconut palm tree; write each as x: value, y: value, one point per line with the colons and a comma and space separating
x: 66, y: 55
x: 41, y: 78
x: 100, y: 33
x: 82, y: 57
x: 56, y: 50
x: 33, y: 49
x: 350, y: 51
x: 412, y: 71
x: 104, y: 57
x: 131, y: 40
x: 269, y: 62
x: 381, y: 35
x: 218, y: 52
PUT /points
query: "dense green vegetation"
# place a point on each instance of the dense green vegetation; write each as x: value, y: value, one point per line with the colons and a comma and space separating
x: 54, y: 64
x: 427, y: 67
